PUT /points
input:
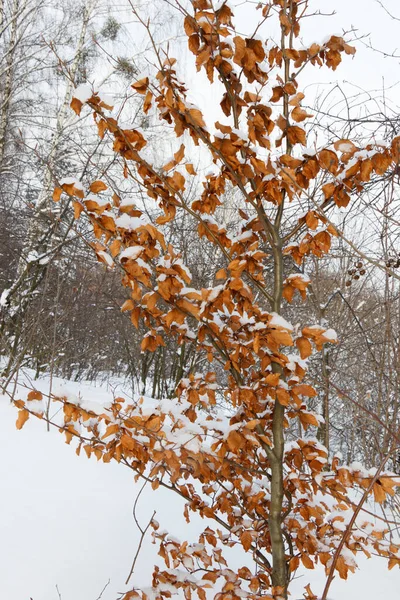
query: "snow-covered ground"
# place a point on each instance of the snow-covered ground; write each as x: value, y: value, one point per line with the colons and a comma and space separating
x: 66, y: 521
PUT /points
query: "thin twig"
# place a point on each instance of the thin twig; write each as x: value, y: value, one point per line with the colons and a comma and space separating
x: 103, y: 590
x: 143, y: 533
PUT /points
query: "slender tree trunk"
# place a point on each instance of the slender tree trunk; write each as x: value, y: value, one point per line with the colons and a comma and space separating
x: 280, y: 570
x: 8, y: 80
x: 279, y: 566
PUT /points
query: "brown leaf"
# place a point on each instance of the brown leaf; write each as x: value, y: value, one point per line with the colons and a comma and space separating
x: 23, y: 416
x: 283, y: 397
x: 35, y: 395
x: 235, y: 441
x: 296, y: 135
x: 115, y: 247
x: 98, y: 186
x: 304, y: 390
x: 76, y: 106
x: 307, y: 562
x: 141, y: 85
x: 312, y: 220
x: 111, y: 429
x: 190, y: 169
x: 299, y: 114
x: 393, y: 561
x: 78, y: 208
x: 102, y: 127
x: 328, y: 160
x: 254, y: 584
x: 71, y: 190
x: 197, y: 117
x: 308, y: 419
x: 190, y: 25
x: 135, y: 314
x: 240, y: 49
x: 127, y: 442
x: 147, y: 102
x: 366, y: 169
x: 246, y: 540
x: 379, y: 493
x: 295, y: 101
x: 328, y: 190
x: 277, y: 93
x: 304, y: 346
x: 179, y: 154
x: 57, y: 194
x: 127, y: 305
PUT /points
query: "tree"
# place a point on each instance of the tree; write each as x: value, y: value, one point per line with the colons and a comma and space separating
x: 43, y: 237
x: 235, y: 441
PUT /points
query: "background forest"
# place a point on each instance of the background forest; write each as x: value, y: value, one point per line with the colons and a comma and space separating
x: 61, y: 309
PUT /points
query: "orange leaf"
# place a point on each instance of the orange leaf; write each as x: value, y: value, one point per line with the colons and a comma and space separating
x: 299, y: 114
x: 328, y: 190
x: 135, y: 314
x: 78, y: 208
x: 221, y: 274
x: 98, y: 186
x: 179, y: 154
x: 312, y: 220
x: 127, y: 442
x: 197, y: 117
x: 111, y: 429
x: 76, y: 106
x: 190, y: 169
x: 115, y: 247
x: 127, y: 305
x: 282, y: 396
x: 252, y: 424
x: 147, y: 102
x: 23, y: 416
x: 246, y: 540
x: 35, y: 395
x: 328, y: 160
x: 296, y: 135
x: 304, y: 347
x: 308, y: 419
x: 379, y: 493
x: 57, y: 194
x: 393, y: 561
x: 307, y: 562
x: 304, y: 390
x: 141, y: 85
x: 235, y: 441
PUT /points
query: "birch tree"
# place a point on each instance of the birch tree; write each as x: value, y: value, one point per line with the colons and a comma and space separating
x: 45, y: 233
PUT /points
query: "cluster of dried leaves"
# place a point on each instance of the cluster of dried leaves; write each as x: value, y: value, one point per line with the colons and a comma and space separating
x: 230, y: 464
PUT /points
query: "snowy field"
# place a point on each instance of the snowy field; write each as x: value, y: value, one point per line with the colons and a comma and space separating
x: 66, y: 526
